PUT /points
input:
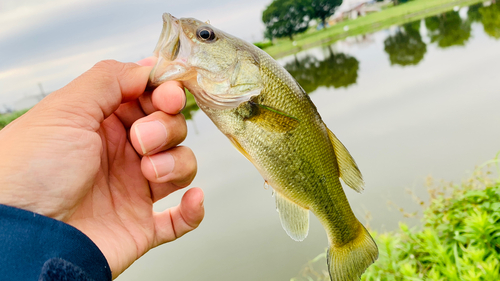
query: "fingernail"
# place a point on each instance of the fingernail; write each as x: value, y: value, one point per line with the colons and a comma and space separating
x: 142, y: 62
x: 149, y: 61
x: 185, y: 102
x: 151, y: 135
x: 163, y: 164
x: 202, y: 200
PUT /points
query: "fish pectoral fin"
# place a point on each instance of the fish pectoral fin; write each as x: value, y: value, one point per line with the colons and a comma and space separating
x: 273, y: 120
x: 294, y: 219
x: 348, y: 170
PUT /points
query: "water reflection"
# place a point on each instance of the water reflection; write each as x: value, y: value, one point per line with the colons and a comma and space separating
x: 448, y: 29
x: 337, y: 70
x: 406, y: 46
x: 400, y: 124
x: 489, y: 16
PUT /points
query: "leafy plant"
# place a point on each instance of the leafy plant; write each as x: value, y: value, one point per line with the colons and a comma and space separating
x: 459, y: 239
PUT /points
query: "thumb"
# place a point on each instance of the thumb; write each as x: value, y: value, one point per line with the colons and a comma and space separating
x: 98, y: 92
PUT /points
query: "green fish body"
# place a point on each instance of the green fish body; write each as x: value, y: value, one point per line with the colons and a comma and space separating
x: 269, y: 118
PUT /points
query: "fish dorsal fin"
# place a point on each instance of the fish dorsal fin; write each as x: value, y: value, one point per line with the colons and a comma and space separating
x: 348, y: 170
x: 294, y: 219
x: 272, y: 120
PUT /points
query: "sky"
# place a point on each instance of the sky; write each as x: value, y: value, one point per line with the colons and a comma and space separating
x: 51, y: 42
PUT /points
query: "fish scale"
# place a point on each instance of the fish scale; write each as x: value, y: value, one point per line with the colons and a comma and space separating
x: 268, y: 117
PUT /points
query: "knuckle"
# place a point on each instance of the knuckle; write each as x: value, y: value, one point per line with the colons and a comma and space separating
x: 106, y: 71
x: 189, y: 166
x: 106, y: 64
x: 176, y: 126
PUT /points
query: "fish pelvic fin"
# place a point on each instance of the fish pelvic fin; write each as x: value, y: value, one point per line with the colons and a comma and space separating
x: 294, y: 219
x: 240, y: 148
x: 349, y: 261
x: 348, y: 169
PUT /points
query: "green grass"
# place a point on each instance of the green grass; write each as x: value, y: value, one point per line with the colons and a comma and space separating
x: 187, y: 111
x: 397, y: 15
x: 459, y: 239
x: 7, y: 118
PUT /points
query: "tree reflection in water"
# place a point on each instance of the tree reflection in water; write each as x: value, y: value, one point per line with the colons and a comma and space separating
x: 337, y: 70
x: 448, y: 29
x: 406, y: 46
x: 489, y: 16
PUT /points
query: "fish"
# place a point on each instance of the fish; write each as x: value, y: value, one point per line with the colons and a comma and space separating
x: 270, y: 119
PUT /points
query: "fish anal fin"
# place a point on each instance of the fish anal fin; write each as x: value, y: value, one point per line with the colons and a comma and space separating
x: 294, y: 219
x: 348, y: 170
x: 272, y: 120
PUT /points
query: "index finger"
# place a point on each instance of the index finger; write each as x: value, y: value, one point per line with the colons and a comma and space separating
x: 169, y: 97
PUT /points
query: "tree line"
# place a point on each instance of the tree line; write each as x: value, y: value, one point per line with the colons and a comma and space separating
x: 285, y: 18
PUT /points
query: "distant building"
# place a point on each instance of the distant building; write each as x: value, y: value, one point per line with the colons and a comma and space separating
x: 351, y: 9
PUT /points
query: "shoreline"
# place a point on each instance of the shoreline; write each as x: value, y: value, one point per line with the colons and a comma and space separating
x: 397, y: 15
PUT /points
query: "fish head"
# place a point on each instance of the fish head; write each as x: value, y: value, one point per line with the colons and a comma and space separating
x: 221, y: 71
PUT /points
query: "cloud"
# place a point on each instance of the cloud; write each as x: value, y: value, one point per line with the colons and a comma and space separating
x: 241, y: 19
x: 18, y: 16
x: 53, y: 41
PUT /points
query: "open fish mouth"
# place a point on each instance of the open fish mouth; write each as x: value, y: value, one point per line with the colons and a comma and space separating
x: 167, y: 50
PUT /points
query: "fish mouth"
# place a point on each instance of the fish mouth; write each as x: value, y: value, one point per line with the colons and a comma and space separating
x: 171, y: 43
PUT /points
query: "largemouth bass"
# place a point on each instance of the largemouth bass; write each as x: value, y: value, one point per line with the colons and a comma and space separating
x: 269, y: 118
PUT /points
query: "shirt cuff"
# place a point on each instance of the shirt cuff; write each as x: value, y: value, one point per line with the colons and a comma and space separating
x: 36, y: 247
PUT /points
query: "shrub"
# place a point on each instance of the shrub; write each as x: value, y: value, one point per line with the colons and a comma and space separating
x: 459, y: 238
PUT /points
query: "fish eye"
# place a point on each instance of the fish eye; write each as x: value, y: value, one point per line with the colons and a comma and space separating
x: 205, y: 33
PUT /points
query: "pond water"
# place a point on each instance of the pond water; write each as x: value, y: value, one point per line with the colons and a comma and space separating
x: 416, y: 100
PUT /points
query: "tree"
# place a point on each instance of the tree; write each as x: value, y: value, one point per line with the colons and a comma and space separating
x: 406, y: 46
x: 322, y: 9
x: 285, y: 18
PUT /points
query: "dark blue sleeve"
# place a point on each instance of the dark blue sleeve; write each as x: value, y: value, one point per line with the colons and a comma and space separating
x: 35, y: 247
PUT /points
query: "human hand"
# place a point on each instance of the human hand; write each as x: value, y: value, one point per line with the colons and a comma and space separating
x: 84, y: 155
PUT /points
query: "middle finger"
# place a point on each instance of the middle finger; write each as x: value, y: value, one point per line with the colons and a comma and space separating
x: 157, y: 132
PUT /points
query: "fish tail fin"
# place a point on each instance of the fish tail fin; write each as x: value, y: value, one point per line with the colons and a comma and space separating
x: 349, y: 261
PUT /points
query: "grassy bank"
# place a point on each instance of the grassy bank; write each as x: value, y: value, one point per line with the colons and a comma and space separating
x: 7, y: 118
x: 459, y: 239
x: 400, y: 14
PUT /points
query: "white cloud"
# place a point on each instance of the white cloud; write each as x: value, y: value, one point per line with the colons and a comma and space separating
x: 18, y: 16
x: 243, y: 20
x: 53, y: 41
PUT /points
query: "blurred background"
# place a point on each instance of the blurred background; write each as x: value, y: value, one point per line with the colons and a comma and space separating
x: 411, y: 90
